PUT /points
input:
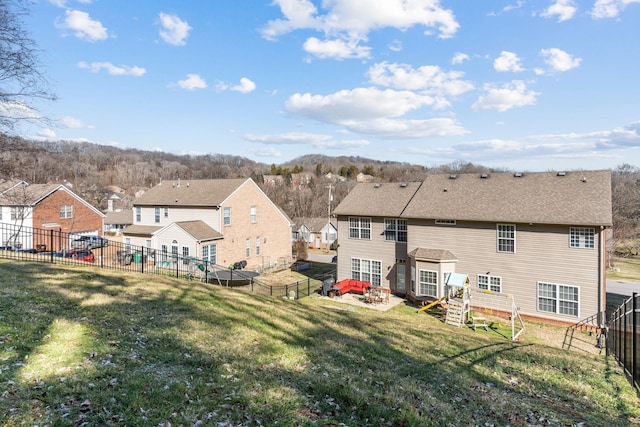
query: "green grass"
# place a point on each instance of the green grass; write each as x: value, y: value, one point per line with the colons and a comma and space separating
x: 628, y: 269
x: 81, y: 346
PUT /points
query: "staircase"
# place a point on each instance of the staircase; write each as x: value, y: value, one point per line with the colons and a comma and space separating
x: 456, y: 313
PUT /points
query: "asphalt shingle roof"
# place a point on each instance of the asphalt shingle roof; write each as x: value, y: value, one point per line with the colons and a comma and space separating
x: 199, y: 192
x: 572, y: 198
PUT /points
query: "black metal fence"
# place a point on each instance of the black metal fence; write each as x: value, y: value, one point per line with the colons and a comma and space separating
x: 57, y: 247
x: 623, y: 337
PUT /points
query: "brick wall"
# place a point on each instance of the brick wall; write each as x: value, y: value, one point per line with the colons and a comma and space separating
x: 83, y: 219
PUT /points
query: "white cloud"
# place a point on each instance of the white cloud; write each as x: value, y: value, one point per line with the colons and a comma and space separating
x: 400, y: 128
x: 459, y: 58
x: 559, y: 61
x: 47, y: 133
x: 507, y: 61
x: 18, y: 110
x: 303, y: 138
x: 83, y: 26
x: 355, y: 105
x: 563, y: 9
x: 374, y: 112
x: 351, y: 21
x: 192, y: 82
x: 245, y: 86
x: 395, y: 46
x: 337, y: 49
x: 174, y: 30
x: 429, y: 79
x: 266, y: 152
x: 122, y: 70
x: 510, y: 95
x: 610, y: 8
x: 73, y: 123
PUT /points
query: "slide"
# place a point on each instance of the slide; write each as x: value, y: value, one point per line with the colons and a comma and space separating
x: 431, y: 304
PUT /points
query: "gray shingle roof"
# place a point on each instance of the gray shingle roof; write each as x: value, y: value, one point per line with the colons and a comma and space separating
x: 124, y: 217
x: 199, y: 192
x: 426, y: 254
x: 575, y: 198
x: 386, y: 199
x: 199, y: 230
x: 141, y: 230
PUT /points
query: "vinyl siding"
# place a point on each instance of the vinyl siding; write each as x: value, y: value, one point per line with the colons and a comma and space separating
x: 377, y: 249
x: 177, y: 214
x: 542, y: 254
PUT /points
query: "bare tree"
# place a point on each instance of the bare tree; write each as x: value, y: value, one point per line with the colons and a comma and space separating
x: 21, y: 81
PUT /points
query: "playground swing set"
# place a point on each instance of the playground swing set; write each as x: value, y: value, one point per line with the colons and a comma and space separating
x: 457, y: 302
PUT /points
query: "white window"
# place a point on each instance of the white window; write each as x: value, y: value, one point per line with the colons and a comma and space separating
x: 14, y: 214
x: 227, y: 216
x: 395, y: 230
x: 174, y: 251
x: 428, y: 283
x: 185, y: 255
x: 491, y: 283
x: 582, y: 237
x: 157, y: 214
x: 366, y: 270
x: 163, y: 252
x: 66, y: 211
x: 360, y: 228
x: 210, y: 254
x: 257, y: 245
x: 506, y: 238
x: 148, y: 243
x: 253, y: 214
x: 248, y: 248
x: 166, y: 212
x: 400, y: 276
x: 138, y: 214
x: 559, y: 299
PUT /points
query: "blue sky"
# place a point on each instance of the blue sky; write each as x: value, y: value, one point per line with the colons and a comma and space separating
x: 528, y: 85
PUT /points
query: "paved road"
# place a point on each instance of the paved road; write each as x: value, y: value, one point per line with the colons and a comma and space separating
x: 622, y: 288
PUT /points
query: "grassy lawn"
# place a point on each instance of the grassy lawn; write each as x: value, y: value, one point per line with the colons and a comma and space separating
x: 627, y: 269
x: 82, y: 346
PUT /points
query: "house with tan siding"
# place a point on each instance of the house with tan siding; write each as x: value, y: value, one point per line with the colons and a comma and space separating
x: 540, y: 237
x: 222, y: 221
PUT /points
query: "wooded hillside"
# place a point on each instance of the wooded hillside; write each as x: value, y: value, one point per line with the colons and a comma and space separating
x: 95, y: 172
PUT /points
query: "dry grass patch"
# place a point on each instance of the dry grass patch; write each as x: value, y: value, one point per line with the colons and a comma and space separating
x: 80, y: 346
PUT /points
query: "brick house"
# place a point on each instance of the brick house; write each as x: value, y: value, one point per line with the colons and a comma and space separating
x: 222, y: 221
x: 48, y: 206
x: 540, y: 237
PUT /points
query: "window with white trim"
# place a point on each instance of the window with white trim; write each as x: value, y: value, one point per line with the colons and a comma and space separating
x: 166, y: 212
x: 163, y: 252
x: 366, y: 270
x: 157, y: 214
x: 359, y: 228
x: 253, y: 213
x: 227, y: 216
x: 490, y: 283
x: 185, y: 255
x: 138, y: 214
x: 428, y: 283
x: 559, y: 299
x: 248, y: 248
x: 210, y: 254
x: 582, y: 237
x: 66, y: 211
x: 395, y: 229
x: 506, y: 235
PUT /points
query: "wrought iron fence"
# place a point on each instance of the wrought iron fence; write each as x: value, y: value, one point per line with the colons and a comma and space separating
x: 57, y: 247
x: 623, y: 337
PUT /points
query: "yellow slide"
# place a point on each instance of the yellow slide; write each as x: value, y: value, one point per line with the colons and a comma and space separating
x: 432, y: 304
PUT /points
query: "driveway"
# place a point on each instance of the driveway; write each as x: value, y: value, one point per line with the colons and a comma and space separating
x: 622, y: 288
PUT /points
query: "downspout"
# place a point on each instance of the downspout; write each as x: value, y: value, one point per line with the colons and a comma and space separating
x: 601, y: 277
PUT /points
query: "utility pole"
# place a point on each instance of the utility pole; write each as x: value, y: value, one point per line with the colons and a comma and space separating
x: 329, y: 216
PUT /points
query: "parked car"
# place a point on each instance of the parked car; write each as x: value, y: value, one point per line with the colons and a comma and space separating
x: 81, y: 255
x: 89, y: 242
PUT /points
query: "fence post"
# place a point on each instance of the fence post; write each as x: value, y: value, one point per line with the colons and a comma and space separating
x: 51, y: 245
x: 142, y: 260
x: 286, y: 291
x: 634, y: 341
